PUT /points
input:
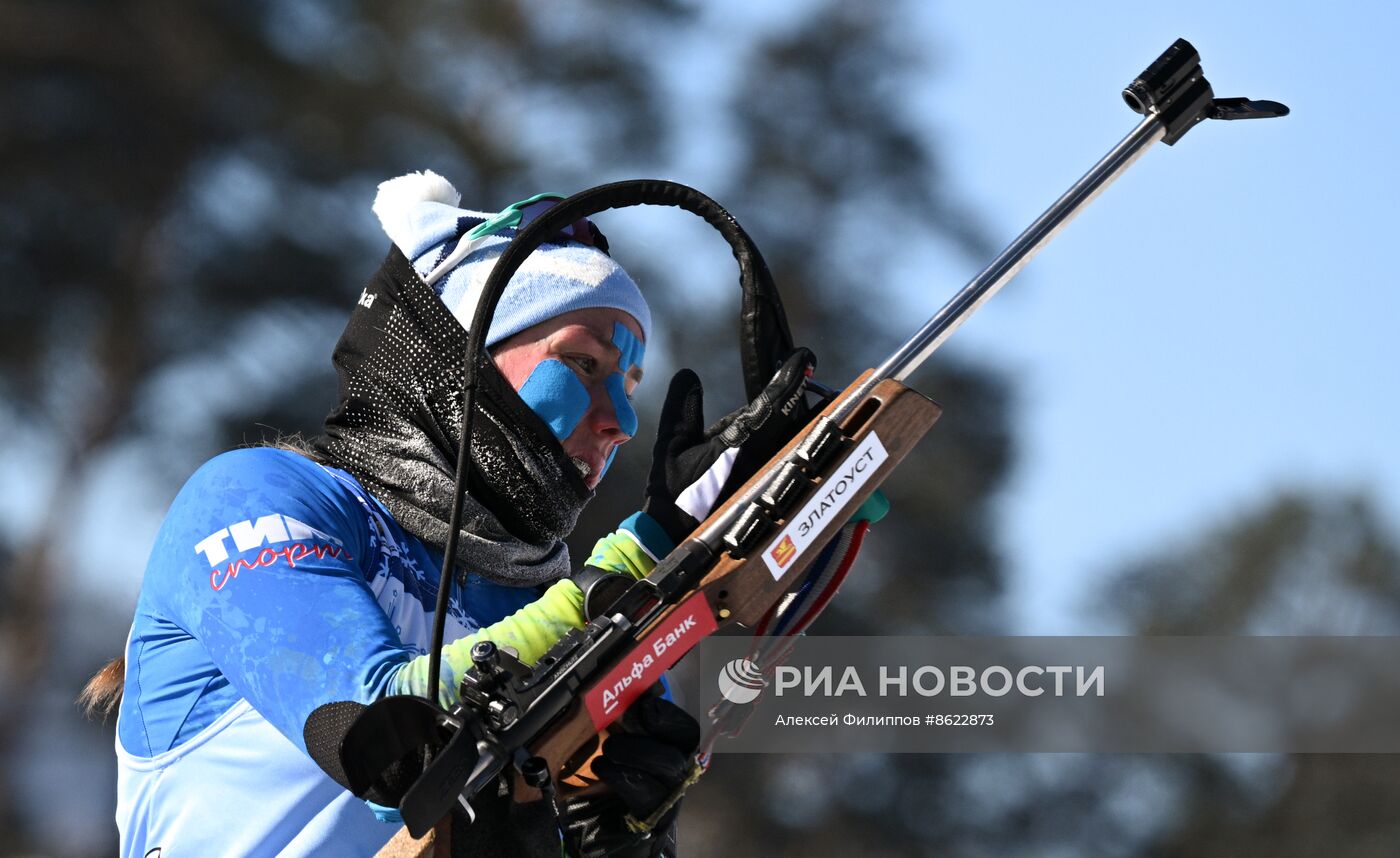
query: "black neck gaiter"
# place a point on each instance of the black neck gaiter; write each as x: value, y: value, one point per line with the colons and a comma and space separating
x: 398, y: 425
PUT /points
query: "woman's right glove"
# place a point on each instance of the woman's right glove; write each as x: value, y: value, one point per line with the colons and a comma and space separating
x: 643, y: 768
x: 694, y: 469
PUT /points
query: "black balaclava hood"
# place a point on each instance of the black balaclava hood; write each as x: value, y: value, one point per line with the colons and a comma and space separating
x: 398, y: 425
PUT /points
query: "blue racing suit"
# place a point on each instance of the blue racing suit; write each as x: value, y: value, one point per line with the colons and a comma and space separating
x: 276, y: 585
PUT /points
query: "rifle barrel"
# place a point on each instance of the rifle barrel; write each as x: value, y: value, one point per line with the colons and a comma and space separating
x: 916, y: 350
x: 1009, y: 262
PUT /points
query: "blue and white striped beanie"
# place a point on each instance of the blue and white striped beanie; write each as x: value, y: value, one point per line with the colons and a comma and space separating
x: 420, y: 215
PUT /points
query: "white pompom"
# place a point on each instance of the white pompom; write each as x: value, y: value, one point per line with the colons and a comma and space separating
x: 397, y: 197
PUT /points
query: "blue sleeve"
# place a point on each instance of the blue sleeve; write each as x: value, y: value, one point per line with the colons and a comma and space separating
x: 262, y: 559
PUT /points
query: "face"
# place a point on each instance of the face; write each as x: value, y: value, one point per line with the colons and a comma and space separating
x: 577, y: 371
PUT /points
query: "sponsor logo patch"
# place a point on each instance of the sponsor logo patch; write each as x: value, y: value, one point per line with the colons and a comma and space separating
x: 642, y: 668
x: 828, y: 504
x: 784, y: 552
x: 298, y: 541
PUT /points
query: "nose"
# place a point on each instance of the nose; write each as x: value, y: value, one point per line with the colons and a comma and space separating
x: 603, y: 419
x: 619, y: 406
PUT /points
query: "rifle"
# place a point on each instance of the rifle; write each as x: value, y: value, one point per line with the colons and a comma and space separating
x: 545, y: 720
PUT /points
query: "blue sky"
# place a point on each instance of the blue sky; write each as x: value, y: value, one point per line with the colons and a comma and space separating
x: 1218, y: 325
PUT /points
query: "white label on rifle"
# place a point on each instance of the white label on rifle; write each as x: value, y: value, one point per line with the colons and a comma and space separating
x: 841, y: 486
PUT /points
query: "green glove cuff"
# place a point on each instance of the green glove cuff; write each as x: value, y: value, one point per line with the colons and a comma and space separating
x: 533, y: 629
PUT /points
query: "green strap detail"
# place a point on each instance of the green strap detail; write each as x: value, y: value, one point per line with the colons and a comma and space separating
x: 876, y: 507
x: 509, y: 216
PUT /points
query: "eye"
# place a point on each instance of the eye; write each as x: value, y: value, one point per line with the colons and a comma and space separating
x: 586, y: 364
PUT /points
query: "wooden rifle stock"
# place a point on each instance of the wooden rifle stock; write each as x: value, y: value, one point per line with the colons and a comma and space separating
x: 742, y: 589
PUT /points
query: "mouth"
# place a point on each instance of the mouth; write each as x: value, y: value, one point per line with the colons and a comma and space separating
x: 585, y: 470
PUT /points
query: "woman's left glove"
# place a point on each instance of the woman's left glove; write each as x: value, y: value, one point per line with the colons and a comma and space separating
x: 643, y: 768
x: 694, y: 469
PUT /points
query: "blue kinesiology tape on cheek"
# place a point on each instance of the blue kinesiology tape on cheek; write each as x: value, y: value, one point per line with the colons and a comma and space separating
x: 554, y: 392
x: 631, y: 353
x: 622, y: 406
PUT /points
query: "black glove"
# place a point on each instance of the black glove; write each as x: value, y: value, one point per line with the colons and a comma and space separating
x: 642, y: 767
x: 503, y: 828
x: 694, y: 470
